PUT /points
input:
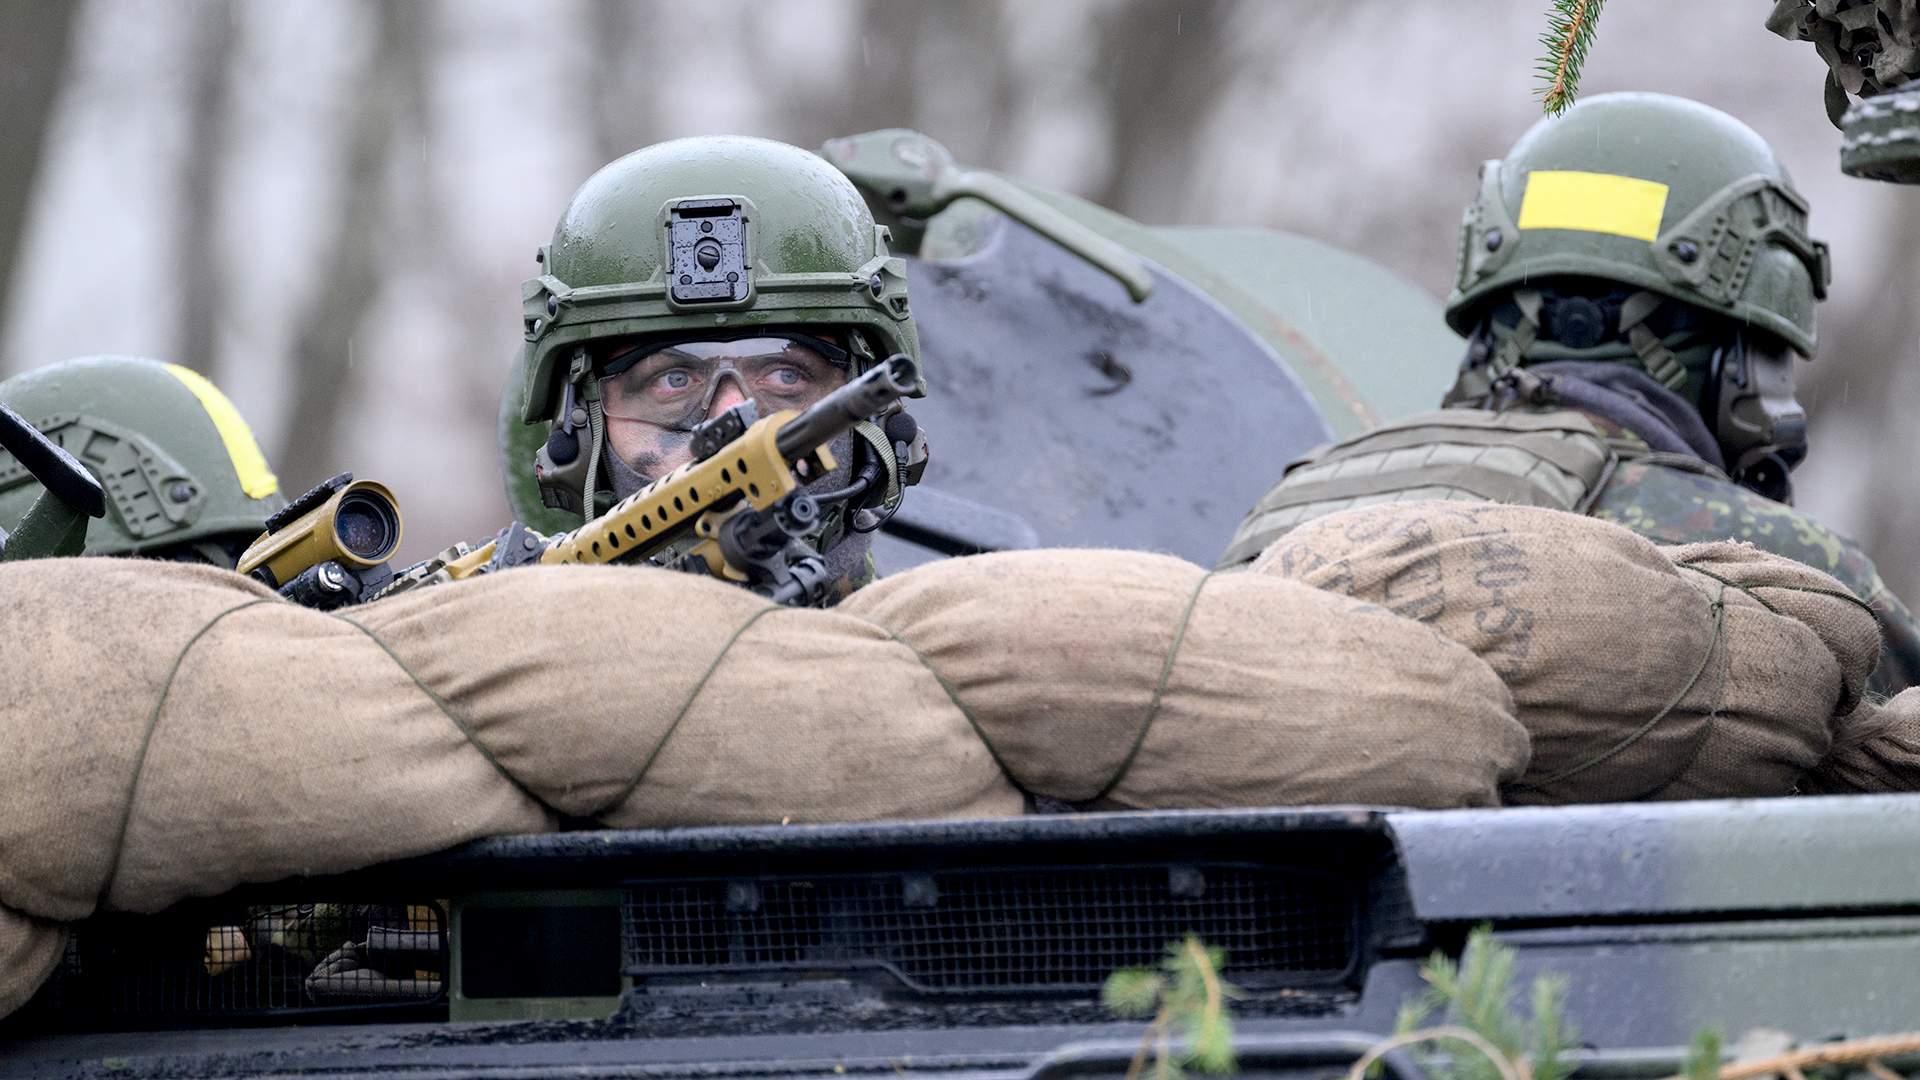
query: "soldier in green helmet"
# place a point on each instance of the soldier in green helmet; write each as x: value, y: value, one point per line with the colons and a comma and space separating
x: 687, y: 278
x: 185, y: 481
x: 183, y: 476
x: 1636, y: 282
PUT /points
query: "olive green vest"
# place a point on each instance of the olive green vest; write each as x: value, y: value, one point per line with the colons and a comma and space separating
x: 1558, y: 459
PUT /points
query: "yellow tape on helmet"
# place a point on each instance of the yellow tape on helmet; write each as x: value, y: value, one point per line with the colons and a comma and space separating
x: 249, y: 464
x: 1593, y: 202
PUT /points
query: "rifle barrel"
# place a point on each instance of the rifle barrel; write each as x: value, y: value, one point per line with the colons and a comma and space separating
x: 824, y: 419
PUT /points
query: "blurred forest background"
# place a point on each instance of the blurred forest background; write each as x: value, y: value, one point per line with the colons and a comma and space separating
x: 328, y: 206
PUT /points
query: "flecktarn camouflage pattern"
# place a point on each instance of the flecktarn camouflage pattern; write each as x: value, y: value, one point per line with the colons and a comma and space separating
x: 1675, y: 506
x: 1564, y: 459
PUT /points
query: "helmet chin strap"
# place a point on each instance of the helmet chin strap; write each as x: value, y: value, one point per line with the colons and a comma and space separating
x: 1497, y: 349
x: 1491, y: 357
x: 1666, y: 368
x: 566, y: 468
x: 1510, y: 351
x: 597, y: 440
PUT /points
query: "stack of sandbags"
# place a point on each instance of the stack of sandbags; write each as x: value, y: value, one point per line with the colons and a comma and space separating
x: 180, y: 729
x: 175, y: 730
x: 1640, y: 672
x: 1256, y: 692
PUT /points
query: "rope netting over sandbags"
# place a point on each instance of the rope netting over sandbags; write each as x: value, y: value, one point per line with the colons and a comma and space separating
x: 1709, y: 670
x: 1122, y: 680
x: 173, y: 731
x: 176, y: 730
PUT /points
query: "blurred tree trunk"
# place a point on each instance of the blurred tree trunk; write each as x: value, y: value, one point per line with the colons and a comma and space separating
x: 473, y: 304
x: 202, y: 273
x: 36, y: 44
x: 899, y: 42
x: 620, y: 108
x: 1167, y: 62
x: 879, y: 89
x: 969, y: 38
x: 884, y: 88
x: 325, y: 334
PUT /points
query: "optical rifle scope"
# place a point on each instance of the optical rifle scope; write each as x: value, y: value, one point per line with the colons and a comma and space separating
x: 337, y: 538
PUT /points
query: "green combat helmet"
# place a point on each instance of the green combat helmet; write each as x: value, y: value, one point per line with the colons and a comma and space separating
x: 712, y: 238
x: 1659, y: 232
x: 183, y: 476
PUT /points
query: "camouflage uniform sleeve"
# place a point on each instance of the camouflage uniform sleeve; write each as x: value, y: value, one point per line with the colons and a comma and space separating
x: 1673, y: 506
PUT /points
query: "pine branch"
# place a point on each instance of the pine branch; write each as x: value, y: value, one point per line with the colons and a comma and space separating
x: 1472, y: 1012
x: 1503, y: 1067
x: 1132, y: 992
x: 1209, y: 1030
x: 1553, y: 1036
x: 1473, y: 1008
x: 1155, y: 1032
x: 1569, y: 35
x: 1703, y: 1058
x: 1186, y: 993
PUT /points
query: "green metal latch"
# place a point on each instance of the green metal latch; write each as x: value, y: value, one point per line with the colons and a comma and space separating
x: 907, y: 178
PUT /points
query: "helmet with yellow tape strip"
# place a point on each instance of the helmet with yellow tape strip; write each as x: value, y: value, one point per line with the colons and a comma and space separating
x: 1650, y: 191
x: 1659, y: 233
x: 183, y: 475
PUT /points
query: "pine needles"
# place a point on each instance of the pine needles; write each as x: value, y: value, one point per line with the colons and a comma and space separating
x: 1703, y: 1057
x: 1185, y: 993
x: 1569, y: 35
x: 1472, y: 1009
x: 1467, y: 1025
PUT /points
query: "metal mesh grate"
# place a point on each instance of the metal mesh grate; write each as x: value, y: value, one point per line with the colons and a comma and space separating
x: 249, y: 961
x: 1056, y: 928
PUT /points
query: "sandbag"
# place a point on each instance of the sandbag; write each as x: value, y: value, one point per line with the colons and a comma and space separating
x: 1709, y: 670
x: 177, y: 730
x: 29, y: 951
x: 670, y: 699
x: 139, y: 769
x: 1876, y: 750
x: 1799, y: 649
x: 1256, y: 692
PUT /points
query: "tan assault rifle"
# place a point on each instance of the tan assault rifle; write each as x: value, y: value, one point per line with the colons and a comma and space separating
x: 736, y: 511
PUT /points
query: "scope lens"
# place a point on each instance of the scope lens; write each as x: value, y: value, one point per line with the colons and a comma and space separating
x: 366, y: 526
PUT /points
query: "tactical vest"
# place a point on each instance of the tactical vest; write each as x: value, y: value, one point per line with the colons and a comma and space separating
x: 1558, y: 459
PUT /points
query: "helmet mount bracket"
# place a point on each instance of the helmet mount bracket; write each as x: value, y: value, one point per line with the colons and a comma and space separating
x: 708, y: 261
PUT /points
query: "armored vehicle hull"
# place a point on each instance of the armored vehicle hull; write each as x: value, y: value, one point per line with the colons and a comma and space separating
x: 976, y: 948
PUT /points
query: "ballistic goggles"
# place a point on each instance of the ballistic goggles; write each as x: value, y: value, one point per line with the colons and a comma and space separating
x: 673, y: 385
